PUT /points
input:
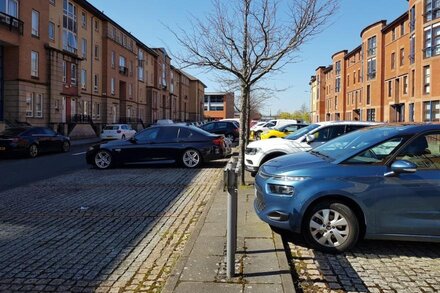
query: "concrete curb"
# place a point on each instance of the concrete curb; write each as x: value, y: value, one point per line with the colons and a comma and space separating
x: 173, y: 279
x: 287, y: 281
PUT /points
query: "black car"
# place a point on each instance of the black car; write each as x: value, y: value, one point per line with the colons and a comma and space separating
x: 229, y: 129
x: 187, y: 145
x: 32, y: 141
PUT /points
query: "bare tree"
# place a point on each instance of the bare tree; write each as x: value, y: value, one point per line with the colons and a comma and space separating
x: 248, y: 39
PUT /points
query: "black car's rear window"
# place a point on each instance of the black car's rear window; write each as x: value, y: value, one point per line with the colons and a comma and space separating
x: 13, y: 131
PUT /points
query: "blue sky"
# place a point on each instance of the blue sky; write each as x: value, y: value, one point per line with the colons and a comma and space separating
x: 145, y: 19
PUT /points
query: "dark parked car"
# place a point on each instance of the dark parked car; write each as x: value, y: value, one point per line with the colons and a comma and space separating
x: 381, y: 182
x: 32, y: 141
x: 229, y: 129
x: 187, y: 145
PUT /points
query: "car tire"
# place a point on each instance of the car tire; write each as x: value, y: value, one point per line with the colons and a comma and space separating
x: 103, y: 159
x: 331, y: 227
x: 123, y: 136
x: 230, y: 136
x: 65, y: 147
x: 33, y: 150
x: 191, y: 158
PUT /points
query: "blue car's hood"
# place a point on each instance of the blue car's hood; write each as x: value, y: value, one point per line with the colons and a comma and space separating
x: 293, y: 162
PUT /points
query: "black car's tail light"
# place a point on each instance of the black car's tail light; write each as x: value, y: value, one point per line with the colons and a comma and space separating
x: 218, y: 141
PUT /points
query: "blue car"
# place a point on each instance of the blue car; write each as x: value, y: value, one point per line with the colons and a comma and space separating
x: 381, y: 182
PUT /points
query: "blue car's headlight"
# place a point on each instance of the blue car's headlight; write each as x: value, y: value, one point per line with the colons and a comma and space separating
x: 281, y: 190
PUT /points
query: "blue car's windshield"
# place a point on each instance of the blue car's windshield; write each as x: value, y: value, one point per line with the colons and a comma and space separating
x: 354, y: 141
x: 301, y: 132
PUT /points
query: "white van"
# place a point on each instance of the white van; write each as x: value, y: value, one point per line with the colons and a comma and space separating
x: 257, y: 129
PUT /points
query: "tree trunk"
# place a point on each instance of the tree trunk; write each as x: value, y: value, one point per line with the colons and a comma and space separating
x: 243, y: 127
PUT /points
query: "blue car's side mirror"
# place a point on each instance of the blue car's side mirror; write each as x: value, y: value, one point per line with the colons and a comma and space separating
x: 402, y: 166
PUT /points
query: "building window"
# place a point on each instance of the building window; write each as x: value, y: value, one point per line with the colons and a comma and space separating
x: 371, y: 68
x: 371, y: 46
x: 10, y: 7
x: 51, y: 31
x: 84, y: 48
x: 393, y: 34
x: 354, y: 77
x: 368, y: 95
x: 338, y: 85
x: 52, y: 2
x: 402, y: 29
x: 34, y: 64
x: 431, y: 111
x: 73, y: 73
x: 83, y: 79
x: 402, y: 56
x: 30, y: 105
x: 338, y: 68
x: 412, y: 19
x: 432, y: 10
x: 432, y: 41
x: 35, y: 23
x: 405, y: 85
x: 112, y: 86
x: 96, y: 52
x: 84, y: 19
x: 130, y: 90
x: 96, y: 25
x: 69, y: 27
x: 371, y: 114
x: 95, y: 83
x: 426, y: 79
x: 64, y: 71
x: 411, y: 112
x: 359, y: 75
x: 123, y: 65
x: 112, y: 61
x: 389, y: 88
x: 393, y: 60
x: 412, y: 46
x: 39, y: 106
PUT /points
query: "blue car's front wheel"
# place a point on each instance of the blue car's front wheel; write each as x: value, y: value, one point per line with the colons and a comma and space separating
x: 331, y: 227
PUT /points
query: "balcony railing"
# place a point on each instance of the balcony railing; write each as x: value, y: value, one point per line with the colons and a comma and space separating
x: 11, y: 22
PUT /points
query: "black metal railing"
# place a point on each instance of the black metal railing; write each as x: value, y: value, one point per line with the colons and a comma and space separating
x: 81, y: 119
x: 11, y: 22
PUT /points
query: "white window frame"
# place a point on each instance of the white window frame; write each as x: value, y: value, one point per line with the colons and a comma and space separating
x: 35, y: 23
x: 112, y: 86
x: 73, y: 73
x: 30, y: 105
x: 84, y: 48
x: 83, y: 79
x: 39, y: 105
x: 84, y: 19
x: 51, y: 31
x: 64, y: 71
x: 34, y: 63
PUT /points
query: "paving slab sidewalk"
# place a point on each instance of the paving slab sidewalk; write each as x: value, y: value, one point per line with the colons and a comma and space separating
x: 261, y: 262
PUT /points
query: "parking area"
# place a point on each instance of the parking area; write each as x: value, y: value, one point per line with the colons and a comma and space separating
x: 372, y: 266
x: 100, y: 231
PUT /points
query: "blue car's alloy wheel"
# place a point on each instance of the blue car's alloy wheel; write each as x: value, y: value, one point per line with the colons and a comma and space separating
x: 331, y: 227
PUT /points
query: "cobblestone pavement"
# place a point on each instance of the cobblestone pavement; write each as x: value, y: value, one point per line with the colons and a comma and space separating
x: 372, y: 266
x: 100, y: 231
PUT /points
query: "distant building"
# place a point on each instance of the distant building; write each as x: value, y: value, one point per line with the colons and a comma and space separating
x: 391, y: 76
x: 219, y: 106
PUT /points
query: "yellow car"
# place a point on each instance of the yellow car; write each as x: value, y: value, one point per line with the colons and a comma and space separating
x: 282, y: 131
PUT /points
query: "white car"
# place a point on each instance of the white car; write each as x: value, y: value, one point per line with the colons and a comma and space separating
x: 117, y: 131
x: 304, y: 139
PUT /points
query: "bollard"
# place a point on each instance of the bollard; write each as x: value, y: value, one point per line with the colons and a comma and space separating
x: 231, y: 173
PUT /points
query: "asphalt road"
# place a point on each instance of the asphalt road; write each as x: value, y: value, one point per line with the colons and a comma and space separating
x: 20, y: 171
